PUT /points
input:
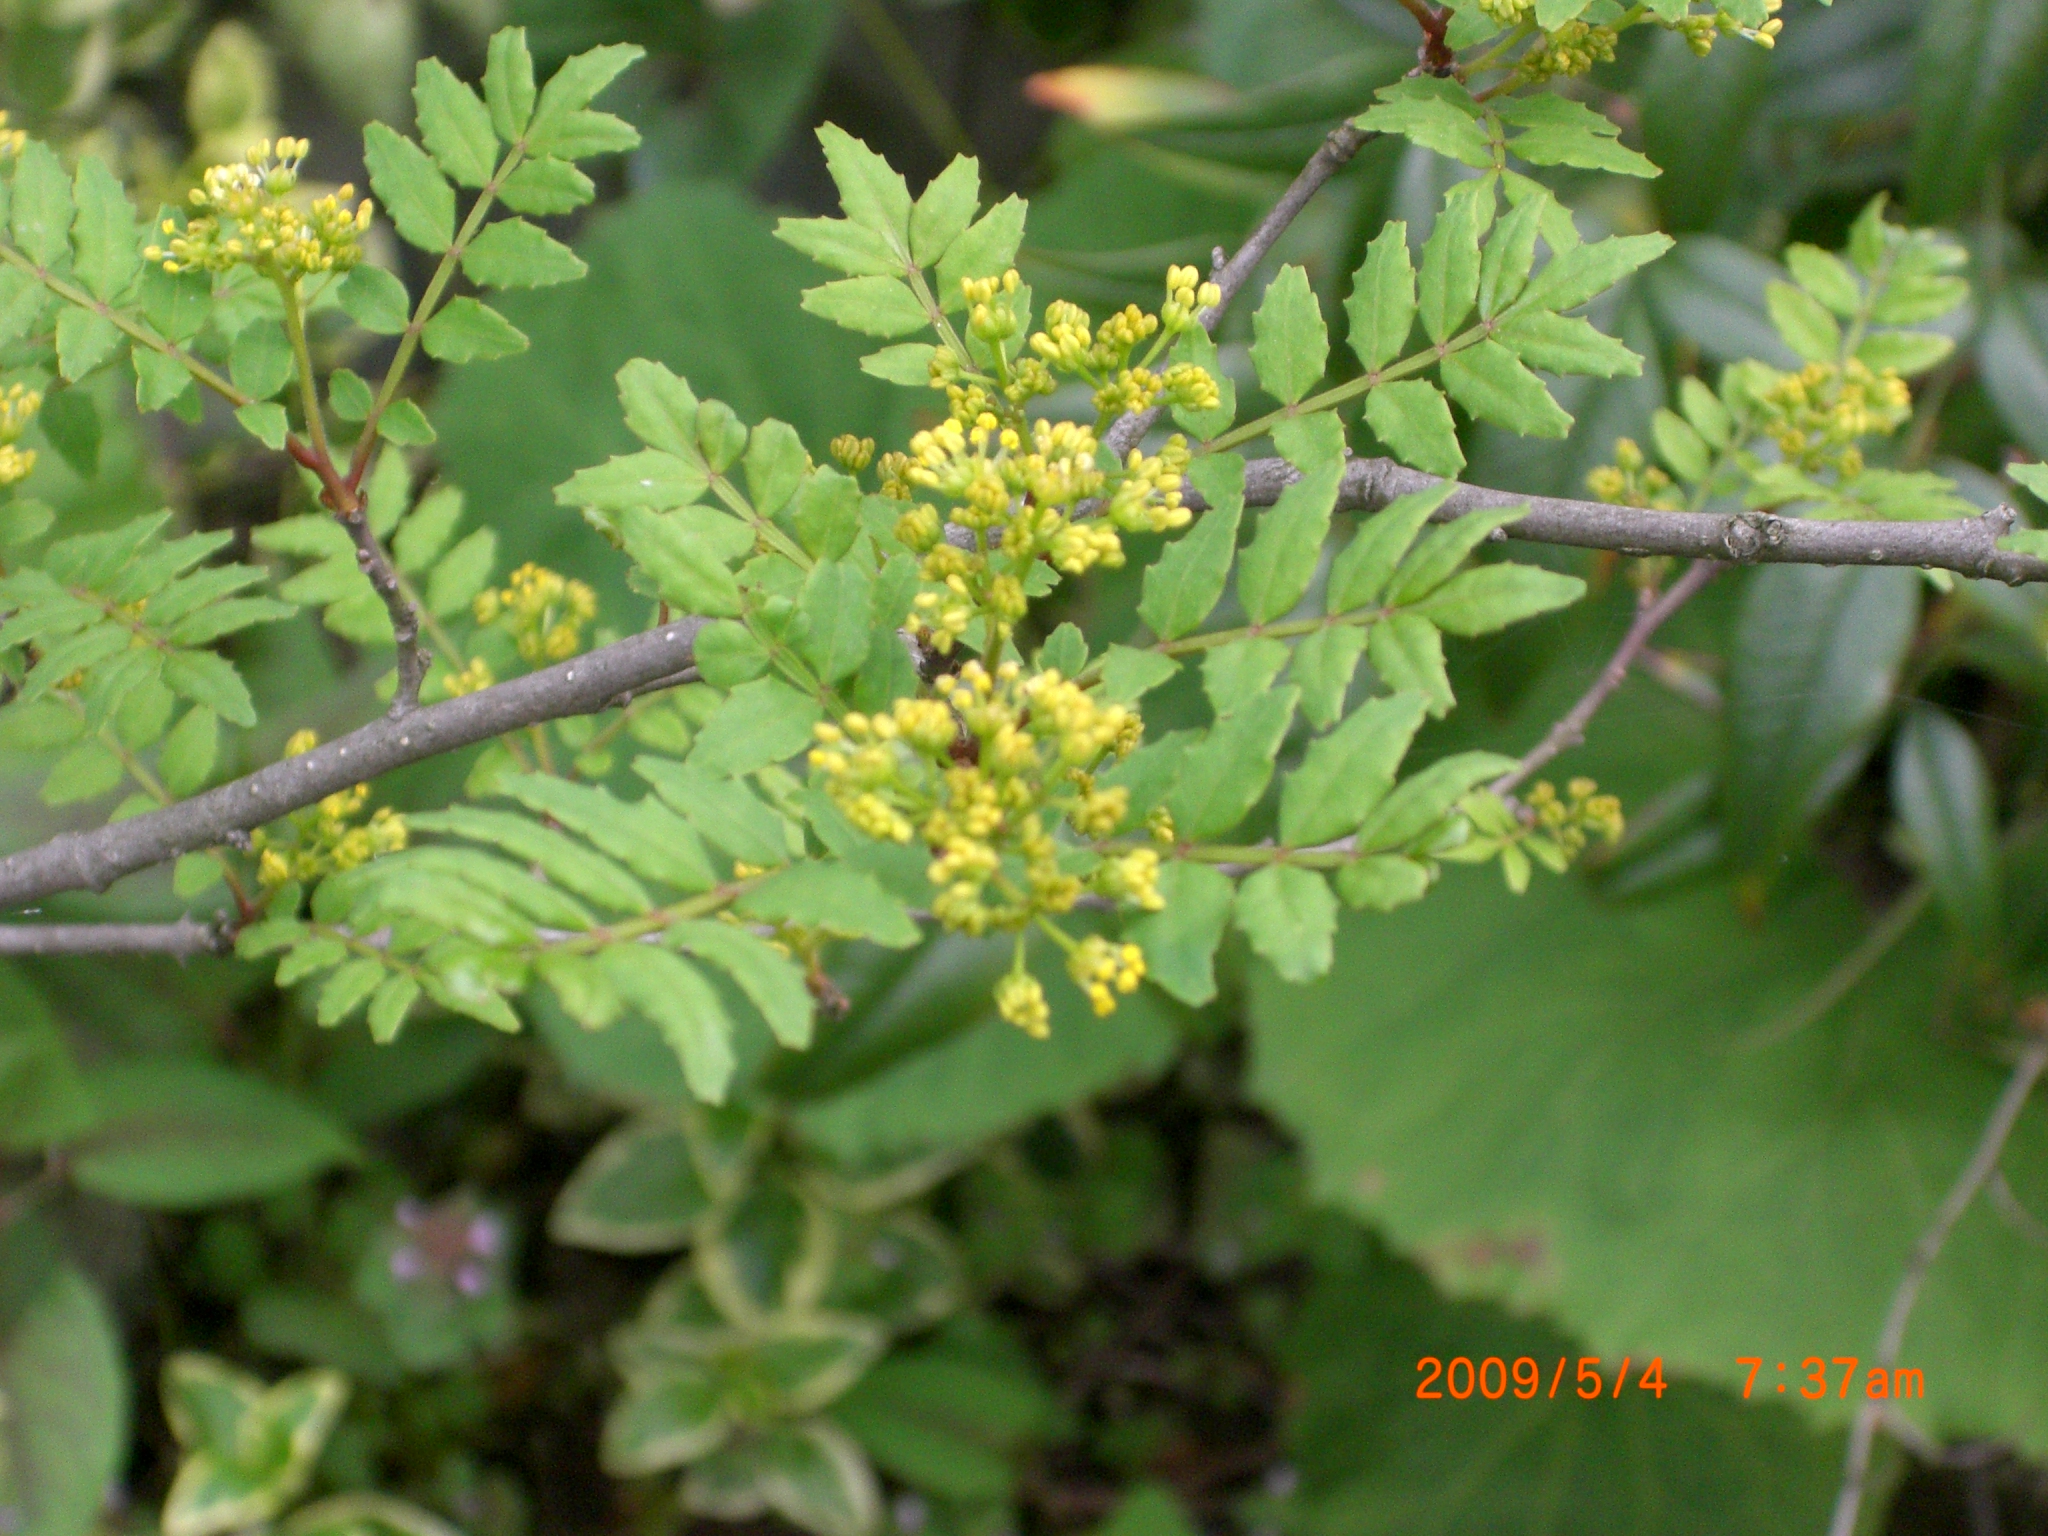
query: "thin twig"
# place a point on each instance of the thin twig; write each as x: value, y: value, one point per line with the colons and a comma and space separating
x: 184, y: 938
x: 1230, y: 274
x: 1570, y: 730
x: 585, y: 685
x: 2004, y: 1115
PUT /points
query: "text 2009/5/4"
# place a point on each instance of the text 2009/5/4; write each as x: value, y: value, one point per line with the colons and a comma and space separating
x: 1494, y: 1377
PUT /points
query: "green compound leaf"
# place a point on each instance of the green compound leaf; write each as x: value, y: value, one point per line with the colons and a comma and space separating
x: 1585, y: 271
x: 375, y: 300
x: 1181, y: 939
x: 1560, y: 131
x: 1292, y: 345
x: 455, y: 125
x: 84, y: 341
x: 178, y: 1134
x: 637, y: 1191
x: 1290, y: 917
x: 1491, y: 597
x: 1804, y: 322
x: 871, y: 193
x: 468, y: 331
x: 562, y: 859
x: 41, y: 212
x: 1348, y: 772
x: 688, y: 574
x: 944, y: 209
x: 1183, y: 586
x: 107, y: 243
x: 676, y: 998
x: 988, y: 248
x: 1408, y: 653
x: 1423, y: 799
x: 1359, y: 576
x: 411, y: 189
x: 841, y: 245
x: 1567, y: 344
x: 834, y: 897
x: 1322, y: 668
x: 1414, y: 420
x: 508, y: 82
x: 260, y: 360
x: 1227, y: 771
x: 1232, y: 675
x: 515, y: 254
x: 762, y: 722
x: 574, y: 86
x: 1381, y: 307
x: 1281, y: 560
x: 773, y: 983
x: 873, y: 306
x: 545, y: 187
x: 1491, y: 383
x: 1437, y: 114
x: 1448, y: 285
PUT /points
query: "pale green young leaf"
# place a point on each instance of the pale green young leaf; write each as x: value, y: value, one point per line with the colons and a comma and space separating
x: 1128, y: 674
x: 1560, y: 131
x: 1704, y: 410
x: 1906, y: 352
x: 1224, y: 774
x: 574, y: 86
x: 1348, y: 772
x: 1825, y: 277
x: 773, y: 983
x: 873, y: 306
x: 835, y: 897
x: 1552, y: 14
x: 1804, y: 323
x: 107, y: 245
x: 827, y: 513
x: 546, y: 186
x: 1381, y: 307
x: 1233, y: 675
x: 1437, y: 114
x: 468, y: 331
x: 833, y: 618
x: 661, y: 410
x: 86, y: 772
x: 1408, y: 653
x: 688, y: 575
x: 872, y: 194
x: 650, y: 478
x: 1183, y: 585
x: 1180, y: 940
x: 410, y: 189
x: 389, y: 1005
x: 1442, y: 550
x: 160, y: 381
x: 260, y: 360
x: 185, y: 761
x: 85, y: 341
x: 375, y: 300
x: 1359, y: 576
x: 724, y: 812
x: 1277, y: 566
x: 1291, y: 345
x: 455, y: 125
x: 1291, y: 919
x: 1065, y: 651
x: 1414, y: 420
x: 515, y: 254
x: 207, y: 679
x: 562, y: 859
x: 462, y: 573
x: 423, y: 535
x: 508, y: 83
x: 1322, y: 669
x: 908, y: 363
x: 41, y: 209
x: 349, y: 394
x: 644, y: 835
x: 676, y: 998
x: 1423, y: 799
x: 405, y: 425
x: 944, y: 209
x: 762, y: 722
x: 1380, y: 882
x: 727, y: 653
x: 347, y: 989
x: 1585, y: 271
x: 1509, y: 254
x: 583, y: 133
x: 1448, y: 284
x: 1490, y: 382
x: 1490, y: 597
x: 1680, y: 446
x: 776, y: 464
x: 1567, y: 344
x: 987, y: 248
x: 842, y: 245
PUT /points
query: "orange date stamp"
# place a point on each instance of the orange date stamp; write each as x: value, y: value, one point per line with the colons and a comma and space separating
x: 1461, y: 1378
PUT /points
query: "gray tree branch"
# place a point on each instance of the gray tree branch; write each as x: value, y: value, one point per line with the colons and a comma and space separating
x: 182, y: 939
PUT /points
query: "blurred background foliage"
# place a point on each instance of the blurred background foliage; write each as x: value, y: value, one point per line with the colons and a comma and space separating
x: 1172, y: 1271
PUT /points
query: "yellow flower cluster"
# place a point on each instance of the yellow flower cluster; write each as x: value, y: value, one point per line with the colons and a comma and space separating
x: 1018, y: 495
x: 1573, y: 49
x: 544, y: 611
x: 984, y: 775
x: 1507, y: 13
x: 323, y: 839
x: 18, y: 407
x: 1186, y: 297
x: 473, y: 678
x: 1816, y: 415
x: 1021, y: 1001
x: 853, y: 453
x: 1632, y: 481
x: 1572, y: 822
x: 243, y: 216
x: 1102, y: 970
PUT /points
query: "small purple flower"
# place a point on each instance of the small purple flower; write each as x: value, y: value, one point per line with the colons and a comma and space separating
x: 471, y: 1279
x: 486, y: 1235
x: 407, y: 1264
x: 410, y: 1214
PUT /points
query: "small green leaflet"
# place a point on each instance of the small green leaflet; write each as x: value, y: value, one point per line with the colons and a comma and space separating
x: 1414, y: 421
x: 410, y: 188
x: 1293, y: 345
x: 1183, y: 585
x: 1381, y: 307
x: 1291, y: 919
